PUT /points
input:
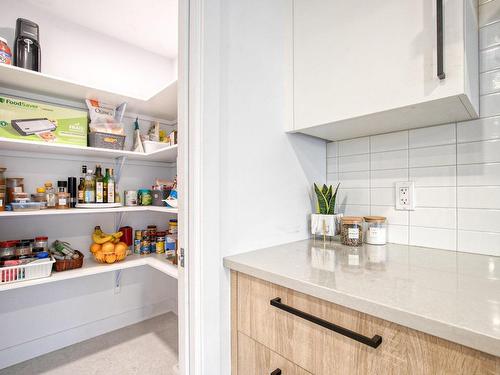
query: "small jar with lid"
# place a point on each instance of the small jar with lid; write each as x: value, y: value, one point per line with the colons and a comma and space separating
x: 63, y: 196
x: 41, y: 244
x: 351, y: 230
x: 50, y: 194
x: 41, y: 197
x: 23, y: 248
x: 376, y: 230
x: 7, y: 249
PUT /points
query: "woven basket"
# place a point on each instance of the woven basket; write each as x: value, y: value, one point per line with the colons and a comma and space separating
x: 69, y: 264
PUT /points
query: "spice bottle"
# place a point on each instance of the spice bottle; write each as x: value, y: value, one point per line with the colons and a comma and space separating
x: 81, y: 190
x: 63, y: 197
x: 51, y: 195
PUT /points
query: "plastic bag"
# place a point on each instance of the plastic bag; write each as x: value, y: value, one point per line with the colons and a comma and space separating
x: 105, y: 118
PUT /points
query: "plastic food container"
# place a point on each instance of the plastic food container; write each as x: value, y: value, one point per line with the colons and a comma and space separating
x: 376, y: 230
x: 28, y: 206
x: 41, y: 244
x: 152, y: 146
x: 351, y: 230
x: 14, y: 185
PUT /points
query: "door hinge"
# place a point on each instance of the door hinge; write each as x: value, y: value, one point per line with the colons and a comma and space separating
x: 181, y: 257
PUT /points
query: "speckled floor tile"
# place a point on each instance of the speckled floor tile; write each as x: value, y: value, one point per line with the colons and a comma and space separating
x: 149, y: 347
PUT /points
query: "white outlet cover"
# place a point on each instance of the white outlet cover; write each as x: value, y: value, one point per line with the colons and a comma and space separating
x: 405, y: 196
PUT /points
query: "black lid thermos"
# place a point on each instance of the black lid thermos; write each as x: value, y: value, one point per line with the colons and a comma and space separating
x: 73, y: 191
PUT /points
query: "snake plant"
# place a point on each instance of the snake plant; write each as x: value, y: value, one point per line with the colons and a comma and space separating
x: 325, y: 202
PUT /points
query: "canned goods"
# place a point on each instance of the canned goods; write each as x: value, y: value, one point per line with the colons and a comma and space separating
x: 144, y: 197
x: 137, y: 246
x: 160, y: 242
x: 170, y: 245
x: 130, y: 197
x: 145, y: 247
x: 138, y: 234
x: 172, y: 226
x: 152, y: 245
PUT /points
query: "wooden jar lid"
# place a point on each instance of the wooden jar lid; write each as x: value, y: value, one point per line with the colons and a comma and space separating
x: 351, y: 220
x: 375, y: 219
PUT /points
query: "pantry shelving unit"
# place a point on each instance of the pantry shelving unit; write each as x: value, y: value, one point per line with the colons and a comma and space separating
x: 162, y: 105
x: 83, y: 211
x: 91, y: 267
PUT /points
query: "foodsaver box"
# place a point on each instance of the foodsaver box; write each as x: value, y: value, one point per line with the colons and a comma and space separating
x: 41, y: 122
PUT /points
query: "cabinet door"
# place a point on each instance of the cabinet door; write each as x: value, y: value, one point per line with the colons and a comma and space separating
x: 256, y: 359
x: 357, y: 58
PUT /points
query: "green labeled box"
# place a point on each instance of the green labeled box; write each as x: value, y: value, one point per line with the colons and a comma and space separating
x: 40, y: 122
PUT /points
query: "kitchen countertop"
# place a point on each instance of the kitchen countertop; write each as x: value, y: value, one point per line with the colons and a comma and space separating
x: 452, y: 295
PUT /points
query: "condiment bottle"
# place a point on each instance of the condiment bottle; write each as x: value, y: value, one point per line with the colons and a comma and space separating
x: 51, y: 195
x: 63, y: 197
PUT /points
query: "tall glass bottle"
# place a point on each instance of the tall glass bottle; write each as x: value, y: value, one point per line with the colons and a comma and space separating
x: 81, y: 190
x: 51, y: 195
x: 109, y: 183
x: 89, y: 193
x: 99, y: 185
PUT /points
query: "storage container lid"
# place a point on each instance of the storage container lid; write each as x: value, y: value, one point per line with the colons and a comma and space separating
x: 375, y: 219
x: 351, y: 220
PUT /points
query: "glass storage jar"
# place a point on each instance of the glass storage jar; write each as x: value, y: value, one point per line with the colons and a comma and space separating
x: 14, y: 186
x: 41, y: 244
x: 351, y: 230
x: 376, y: 230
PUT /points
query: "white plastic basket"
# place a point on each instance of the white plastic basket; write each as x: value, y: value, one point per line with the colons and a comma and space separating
x: 25, y: 272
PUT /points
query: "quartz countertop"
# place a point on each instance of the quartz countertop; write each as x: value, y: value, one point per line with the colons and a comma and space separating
x: 452, y: 295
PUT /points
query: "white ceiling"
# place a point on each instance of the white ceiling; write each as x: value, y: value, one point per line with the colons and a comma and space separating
x: 150, y: 24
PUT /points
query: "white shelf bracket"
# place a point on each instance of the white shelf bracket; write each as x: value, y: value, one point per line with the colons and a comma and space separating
x: 119, y: 220
x: 118, y: 279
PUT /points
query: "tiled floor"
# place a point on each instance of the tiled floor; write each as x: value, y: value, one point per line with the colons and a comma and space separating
x: 149, y: 347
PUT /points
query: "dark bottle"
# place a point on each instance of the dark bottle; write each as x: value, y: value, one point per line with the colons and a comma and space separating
x: 81, y: 190
x: 99, y: 185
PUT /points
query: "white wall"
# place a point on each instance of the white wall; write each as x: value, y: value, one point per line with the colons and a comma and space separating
x: 76, y: 53
x: 455, y: 168
x: 261, y: 177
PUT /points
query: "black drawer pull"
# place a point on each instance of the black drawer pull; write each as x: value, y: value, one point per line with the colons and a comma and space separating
x: 276, y: 372
x: 439, y: 39
x: 374, y: 342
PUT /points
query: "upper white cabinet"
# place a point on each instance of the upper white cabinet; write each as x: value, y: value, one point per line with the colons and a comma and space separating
x: 367, y: 67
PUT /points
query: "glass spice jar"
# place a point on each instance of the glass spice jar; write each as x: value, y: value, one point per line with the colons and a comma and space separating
x: 62, y: 195
x: 351, y: 230
x: 376, y: 230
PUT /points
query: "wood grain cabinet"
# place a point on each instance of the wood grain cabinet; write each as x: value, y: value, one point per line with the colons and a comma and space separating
x: 297, y: 335
x: 368, y: 67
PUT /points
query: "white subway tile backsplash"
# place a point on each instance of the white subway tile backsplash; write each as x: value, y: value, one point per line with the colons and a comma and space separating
x: 353, y: 196
x: 398, y: 234
x: 332, y: 179
x: 355, y: 179
x: 389, y: 160
x: 433, y: 176
x: 389, y: 142
x: 479, y: 220
x: 433, y: 156
x: 393, y: 216
x: 479, y: 152
x: 489, y: 59
x: 434, y: 218
x: 354, y: 163
x: 435, y: 197
x: 490, y: 12
x: 479, y: 242
x: 387, y: 177
x: 332, y: 165
x: 478, y: 174
x: 455, y: 167
x: 432, y: 136
x: 383, y: 197
x: 490, y: 105
x: 354, y: 210
x: 433, y: 237
x: 489, y: 82
x: 489, y: 36
x: 332, y: 150
x: 478, y: 197
x: 354, y: 146
x: 482, y: 129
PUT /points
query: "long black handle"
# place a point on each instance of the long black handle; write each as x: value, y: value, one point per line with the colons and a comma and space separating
x: 439, y: 34
x: 276, y: 372
x: 374, y: 342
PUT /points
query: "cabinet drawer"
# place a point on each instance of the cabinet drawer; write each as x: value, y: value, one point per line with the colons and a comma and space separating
x: 320, y: 350
x: 256, y: 359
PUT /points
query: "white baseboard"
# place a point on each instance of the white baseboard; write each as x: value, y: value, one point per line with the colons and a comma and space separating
x: 59, y: 340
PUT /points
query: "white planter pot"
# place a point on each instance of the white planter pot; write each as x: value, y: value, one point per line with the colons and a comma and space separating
x: 325, y: 225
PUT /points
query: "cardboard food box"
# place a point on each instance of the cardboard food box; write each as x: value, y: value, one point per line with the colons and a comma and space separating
x: 40, y: 122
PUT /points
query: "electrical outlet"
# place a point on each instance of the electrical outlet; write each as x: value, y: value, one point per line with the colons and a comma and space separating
x: 405, y: 196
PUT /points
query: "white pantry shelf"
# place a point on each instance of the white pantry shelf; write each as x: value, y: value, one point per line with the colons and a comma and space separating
x: 91, y: 267
x: 83, y: 211
x: 166, y: 155
x: 161, y: 105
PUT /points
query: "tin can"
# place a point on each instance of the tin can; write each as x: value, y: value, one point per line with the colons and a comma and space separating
x: 137, y: 246
x: 160, y: 242
x: 145, y: 246
x: 152, y: 245
x: 172, y: 226
x: 144, y: 197
x: 130, y: 197
x: 138, y: 234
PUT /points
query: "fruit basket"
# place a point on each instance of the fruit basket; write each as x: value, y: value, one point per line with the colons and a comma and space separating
x: 107, y: 248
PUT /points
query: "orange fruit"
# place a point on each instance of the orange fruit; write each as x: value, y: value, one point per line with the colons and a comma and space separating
x: 108, y: 248
x: 94, y: 248
x: 110, y: 258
